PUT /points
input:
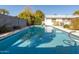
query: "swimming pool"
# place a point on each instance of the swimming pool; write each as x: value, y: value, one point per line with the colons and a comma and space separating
x: 37, y: 37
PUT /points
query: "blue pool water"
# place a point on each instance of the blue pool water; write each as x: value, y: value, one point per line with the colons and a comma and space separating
x: 30, y: 39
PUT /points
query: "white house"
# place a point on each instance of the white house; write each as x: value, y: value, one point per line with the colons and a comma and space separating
x: 59, y: 19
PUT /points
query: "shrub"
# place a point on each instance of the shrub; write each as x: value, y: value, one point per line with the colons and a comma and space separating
x: 66, y: 26
x: 4, y: 29
x: 16, y: 27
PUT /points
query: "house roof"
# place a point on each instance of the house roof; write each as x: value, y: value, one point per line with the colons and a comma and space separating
x: 61, y: 16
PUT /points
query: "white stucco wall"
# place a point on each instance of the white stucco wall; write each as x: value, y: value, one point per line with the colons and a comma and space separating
x: 49, y: 24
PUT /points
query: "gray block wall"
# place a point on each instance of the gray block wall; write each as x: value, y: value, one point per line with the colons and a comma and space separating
x: 11, y: 21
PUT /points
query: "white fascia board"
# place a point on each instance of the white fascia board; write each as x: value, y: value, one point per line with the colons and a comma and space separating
x: 61, y: 16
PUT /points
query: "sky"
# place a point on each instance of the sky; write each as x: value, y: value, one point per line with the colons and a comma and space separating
x: 47, y: 9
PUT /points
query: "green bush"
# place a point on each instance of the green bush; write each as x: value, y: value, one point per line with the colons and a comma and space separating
x: 37, y: 21
x: 66, y: 26
x: 16, y: 27
x: 4, y: 29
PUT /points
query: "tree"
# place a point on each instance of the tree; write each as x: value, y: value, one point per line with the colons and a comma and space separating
x: 75, y: 22
x: 32, y: 18
x: 40, y: 14
x: 27, y: 15
x: 76, y: 12
x: 4, y: 11
x: 39, y: 17
x: 37, y: 21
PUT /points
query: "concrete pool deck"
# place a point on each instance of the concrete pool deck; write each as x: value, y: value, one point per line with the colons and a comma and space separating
x: 5, y: 34
x: 73, y: 32
x: 8, y: 34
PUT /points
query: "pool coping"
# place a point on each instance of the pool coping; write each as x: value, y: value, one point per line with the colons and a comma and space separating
x: 68, y: 31
x: 12, y: 33
x: 16, y: 31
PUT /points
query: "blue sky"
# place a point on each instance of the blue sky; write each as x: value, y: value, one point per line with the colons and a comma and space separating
x: 47, y: 9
